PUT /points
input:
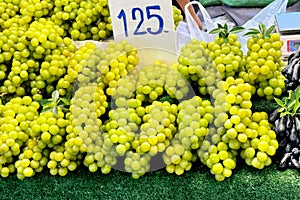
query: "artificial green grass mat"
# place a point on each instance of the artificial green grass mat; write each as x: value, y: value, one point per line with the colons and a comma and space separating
x: 245, y: 183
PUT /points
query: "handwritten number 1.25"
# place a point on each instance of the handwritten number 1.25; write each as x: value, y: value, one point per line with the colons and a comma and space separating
x: 138, y: 14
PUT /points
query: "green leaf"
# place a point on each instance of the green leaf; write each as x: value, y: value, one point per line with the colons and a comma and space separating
x: 262, y: 28
x: 283, y: 114
x: 251, y: 33
x: 296, y: 108
x: 253, y: 29
x: 237, y: 29
x: 222, y: 35
x: 270, y: 30
x: 280, y: 103
x: 55, y: 95
x: 215, y: 31
x: 297, y: 91
x: 225, y: 27
x: 220, y: 26
x: 45, y: 102
x: 291, y: 105
x: 64, y: 101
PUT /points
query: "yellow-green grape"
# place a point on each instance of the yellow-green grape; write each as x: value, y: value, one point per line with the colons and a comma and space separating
x: 226, y: 56
x: 75, y: 66
x: 232, y: 115
x: 177, y: 158
x: 15, y: 119
x: 151, y: 81
x: 126, y: 86
x: 32, y: 159
x: 59, y: 162
x: 272, y: 87
x: 193, y: 60
x: 261, y: 144
x: 123, y: 125
x: 263, y: 65
x: 36, y: 9
x: 88, y: 105
x: 14, y: 49
x: 176, y: 84
x: 89, y: 19
x: 137, y: 164
x: 117, y: 59
x: 9, y: 9
x: 194, y: 118
x: 193, y: 121
x: 177, y: 15
x: 50, y: 127
x: 158, y: 128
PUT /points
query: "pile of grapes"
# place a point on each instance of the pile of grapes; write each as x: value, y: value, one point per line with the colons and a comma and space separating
x: 64, y: 106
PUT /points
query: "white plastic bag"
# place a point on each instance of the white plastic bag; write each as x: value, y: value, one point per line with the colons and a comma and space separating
x: 265, y: 16
x: 189, y: 30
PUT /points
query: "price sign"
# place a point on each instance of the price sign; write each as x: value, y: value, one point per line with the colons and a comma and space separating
x: 143, y: 23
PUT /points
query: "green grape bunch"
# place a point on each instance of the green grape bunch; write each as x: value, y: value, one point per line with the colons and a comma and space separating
x: 263, y: 64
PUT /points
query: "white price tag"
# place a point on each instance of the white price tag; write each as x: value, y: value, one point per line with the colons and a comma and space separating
x: 143, y: 23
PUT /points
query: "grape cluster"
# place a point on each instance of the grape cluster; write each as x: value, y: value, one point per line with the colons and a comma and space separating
x: 65, y: 85
x: 15, y: 118
x: 177, y: 15
x: 263, y: 65
x: 122, y: 126
x: 158, y: 128
x: 36, y: 9
x: 8, y: 10
x: 193, y: 120
x: 126, y: 85
x: 236, y: 130
x: 137, y: 164
x: 151, y: 81
x: 226, y: 55
x: 194, y: 64
x: 176, y: 85
x: 32, y: 159
x: 83, y: 20
x: 262, y: 143
x: 117, y: 59
x: 88, y: 104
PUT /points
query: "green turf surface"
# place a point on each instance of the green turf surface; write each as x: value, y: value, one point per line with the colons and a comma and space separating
x: 246, y: 183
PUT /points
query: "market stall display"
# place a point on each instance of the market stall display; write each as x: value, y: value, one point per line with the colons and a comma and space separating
x: 63, y: 106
